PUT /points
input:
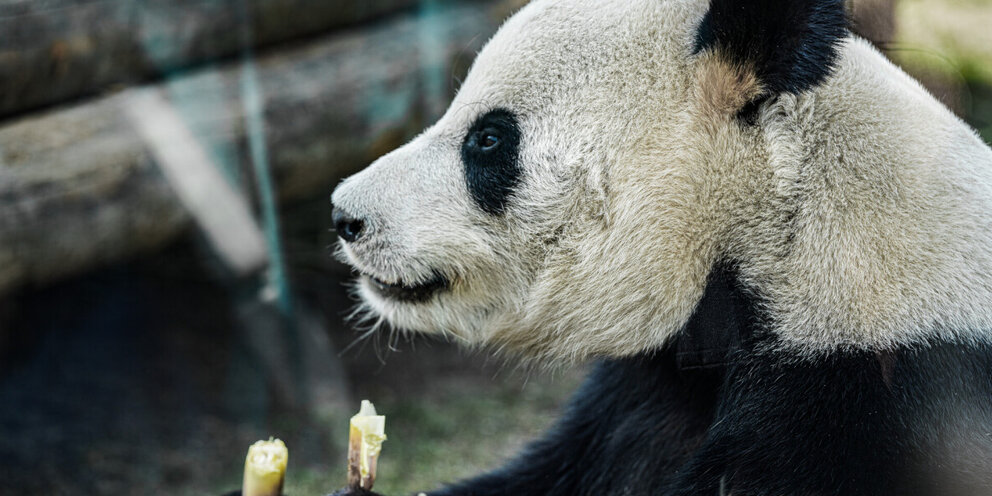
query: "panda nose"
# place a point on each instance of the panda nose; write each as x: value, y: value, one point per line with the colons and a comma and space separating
x: 347, y: 226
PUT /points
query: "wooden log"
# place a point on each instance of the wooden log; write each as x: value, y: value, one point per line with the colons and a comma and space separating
x: 56, y: 50
x: 52, y: 51
x: 79, y: 187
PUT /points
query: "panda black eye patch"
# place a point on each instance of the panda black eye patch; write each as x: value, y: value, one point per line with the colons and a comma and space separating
x: 490, y: 152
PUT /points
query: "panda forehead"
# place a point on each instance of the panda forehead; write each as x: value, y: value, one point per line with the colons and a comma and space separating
x: 550, y: 50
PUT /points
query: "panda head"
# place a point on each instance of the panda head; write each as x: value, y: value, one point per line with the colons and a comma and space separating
x: 599, y: 160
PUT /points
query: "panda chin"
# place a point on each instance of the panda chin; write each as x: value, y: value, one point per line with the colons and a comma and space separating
x: 408, y: 293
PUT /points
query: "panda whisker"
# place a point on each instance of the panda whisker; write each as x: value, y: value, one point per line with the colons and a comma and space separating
x: 362, y: 337
x: 393, y: 340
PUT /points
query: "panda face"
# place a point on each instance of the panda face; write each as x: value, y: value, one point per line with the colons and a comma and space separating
x: 477, y: 227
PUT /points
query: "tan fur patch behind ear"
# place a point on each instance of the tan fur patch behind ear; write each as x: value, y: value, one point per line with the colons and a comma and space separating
x: 724, y: 88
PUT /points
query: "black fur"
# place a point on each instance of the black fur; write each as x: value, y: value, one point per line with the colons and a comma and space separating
x: 492, y: 172
x: 713, y: 332
x: 763, y: 422
x: 906, y: 422
x: 628, y: 430
x: 790, y: 44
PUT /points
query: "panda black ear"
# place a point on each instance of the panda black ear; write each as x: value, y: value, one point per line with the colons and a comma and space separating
x: 790, y: 45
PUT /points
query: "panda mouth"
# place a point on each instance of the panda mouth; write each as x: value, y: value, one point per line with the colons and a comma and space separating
x: 411, y: 293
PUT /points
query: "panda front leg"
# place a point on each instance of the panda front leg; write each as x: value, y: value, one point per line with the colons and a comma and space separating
x: 627, y: 430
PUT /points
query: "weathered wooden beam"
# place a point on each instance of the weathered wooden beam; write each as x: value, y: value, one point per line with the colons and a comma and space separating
x: 79, y: 187
x: 56, y: 50
x: 221, y: 213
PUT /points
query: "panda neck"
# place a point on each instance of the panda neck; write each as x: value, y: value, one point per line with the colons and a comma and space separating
x: 878, y: 232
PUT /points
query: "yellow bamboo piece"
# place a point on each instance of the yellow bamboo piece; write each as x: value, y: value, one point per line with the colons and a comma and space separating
x: 367, y: 432
x: 265, y: 468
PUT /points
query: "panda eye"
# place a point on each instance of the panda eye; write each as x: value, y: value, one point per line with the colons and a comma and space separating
x: 488, y: 142
x: 489, y: 154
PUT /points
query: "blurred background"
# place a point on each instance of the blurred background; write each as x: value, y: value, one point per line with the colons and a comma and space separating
x: 167, y: 294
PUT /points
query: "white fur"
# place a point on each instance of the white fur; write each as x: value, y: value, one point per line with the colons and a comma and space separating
x: 893, y: 205
x: 858, y: 210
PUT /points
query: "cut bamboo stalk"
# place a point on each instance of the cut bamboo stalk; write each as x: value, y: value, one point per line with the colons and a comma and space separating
x: 368, y: 431
x: 265, y: 468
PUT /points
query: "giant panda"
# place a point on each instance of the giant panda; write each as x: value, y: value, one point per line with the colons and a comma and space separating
x: 776, y: 243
